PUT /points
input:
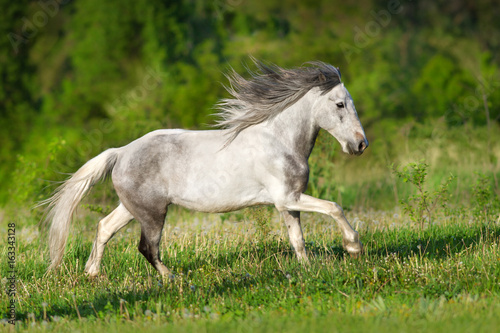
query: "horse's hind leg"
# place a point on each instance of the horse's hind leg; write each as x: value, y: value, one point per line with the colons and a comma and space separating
x: 106, y: 228
x: 149, y: 246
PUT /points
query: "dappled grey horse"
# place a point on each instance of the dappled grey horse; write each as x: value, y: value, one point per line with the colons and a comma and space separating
x: 259, y: 157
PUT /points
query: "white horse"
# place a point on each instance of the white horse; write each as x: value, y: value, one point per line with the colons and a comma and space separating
x: 259, y: 157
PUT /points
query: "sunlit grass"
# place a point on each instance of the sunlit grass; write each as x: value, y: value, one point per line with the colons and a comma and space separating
x: 230, y: 271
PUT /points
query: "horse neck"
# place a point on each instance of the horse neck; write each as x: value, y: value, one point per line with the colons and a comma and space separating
x: 295, y: 127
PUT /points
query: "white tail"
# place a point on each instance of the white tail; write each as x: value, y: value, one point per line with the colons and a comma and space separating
x: 63, y: 203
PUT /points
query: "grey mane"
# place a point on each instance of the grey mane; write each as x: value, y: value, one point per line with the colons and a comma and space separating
x: 269, y: 91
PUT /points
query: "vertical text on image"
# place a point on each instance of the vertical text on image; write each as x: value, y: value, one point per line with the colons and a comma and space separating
x: 11, y: 272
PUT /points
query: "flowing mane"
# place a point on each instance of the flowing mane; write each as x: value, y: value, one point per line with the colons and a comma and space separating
x: 269, y: 91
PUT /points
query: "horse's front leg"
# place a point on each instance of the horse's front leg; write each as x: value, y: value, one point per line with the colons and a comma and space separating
x: 306, y: 203
x: 292, y: 222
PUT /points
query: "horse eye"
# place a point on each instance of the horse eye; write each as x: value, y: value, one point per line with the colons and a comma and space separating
x: 340, y: 105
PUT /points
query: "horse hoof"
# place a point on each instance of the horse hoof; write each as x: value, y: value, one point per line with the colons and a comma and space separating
x: 355, y: 249
x: 356, y: 255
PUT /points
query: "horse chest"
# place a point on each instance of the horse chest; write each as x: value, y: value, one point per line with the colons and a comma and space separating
x: 296, y: 174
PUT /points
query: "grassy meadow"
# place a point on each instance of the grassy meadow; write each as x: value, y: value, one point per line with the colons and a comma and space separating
x: 237, y: 272
x: 78, y: 77
x: 244, y: 277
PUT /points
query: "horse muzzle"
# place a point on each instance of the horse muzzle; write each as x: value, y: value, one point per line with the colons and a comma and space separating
x: 359, y: 146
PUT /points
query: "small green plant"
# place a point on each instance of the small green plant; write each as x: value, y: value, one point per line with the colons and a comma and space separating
x: 261, y: 217
x: 98, y: 209
x: 421, y: 206
x: 484, y: 201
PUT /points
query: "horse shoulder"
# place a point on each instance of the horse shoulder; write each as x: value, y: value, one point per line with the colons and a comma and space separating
x: 296, y: 173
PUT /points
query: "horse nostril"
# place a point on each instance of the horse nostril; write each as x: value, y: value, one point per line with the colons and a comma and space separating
x: 362, y: 146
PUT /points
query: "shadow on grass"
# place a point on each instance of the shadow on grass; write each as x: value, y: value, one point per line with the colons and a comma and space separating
x: 436, y: 242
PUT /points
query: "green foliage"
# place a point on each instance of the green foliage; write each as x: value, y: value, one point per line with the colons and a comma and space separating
x: 421, y: 205
x: 440, y: 85
x: 322, y: 167
x: 98, y: 209
x: 31, y: 177
x: 485, y: 203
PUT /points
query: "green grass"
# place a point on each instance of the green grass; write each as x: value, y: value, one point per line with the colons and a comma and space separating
x: 244, y: 277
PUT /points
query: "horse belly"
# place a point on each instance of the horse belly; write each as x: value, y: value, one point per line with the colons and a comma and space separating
x: 220, y: 191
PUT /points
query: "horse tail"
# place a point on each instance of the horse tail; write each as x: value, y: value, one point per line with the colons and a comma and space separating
x: 66, y: 198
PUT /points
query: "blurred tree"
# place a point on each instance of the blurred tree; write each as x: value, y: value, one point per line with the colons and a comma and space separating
x: 17, y: 104
x: 441, y: 83
x: 102, y: 73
